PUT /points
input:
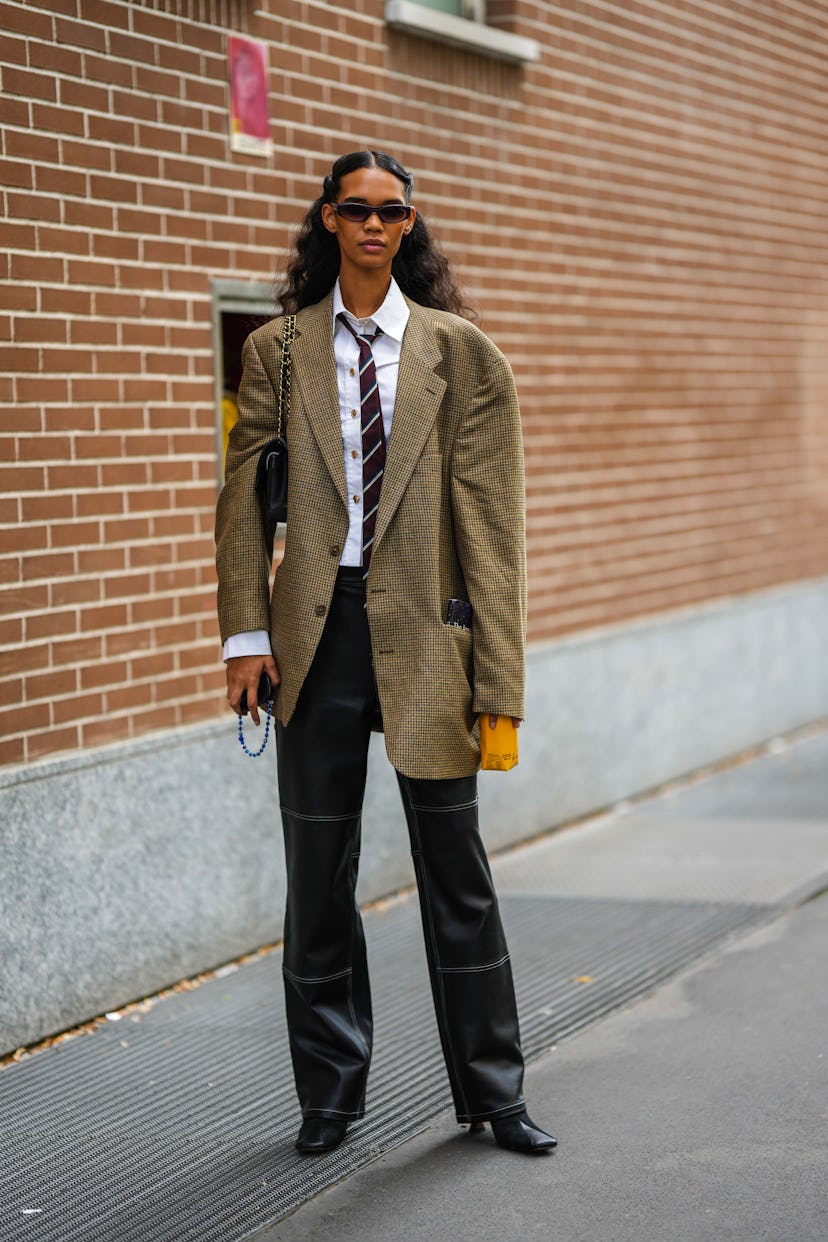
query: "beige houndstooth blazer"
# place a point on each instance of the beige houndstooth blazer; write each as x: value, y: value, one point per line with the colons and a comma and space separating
x: 450, y: 525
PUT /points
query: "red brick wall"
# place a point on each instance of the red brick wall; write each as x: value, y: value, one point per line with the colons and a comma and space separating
x: 640, y: 217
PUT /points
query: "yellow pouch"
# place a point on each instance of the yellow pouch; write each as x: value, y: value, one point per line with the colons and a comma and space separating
x: 498, y: 745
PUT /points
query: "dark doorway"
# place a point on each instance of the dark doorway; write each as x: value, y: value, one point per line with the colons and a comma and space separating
x: 238, y: 309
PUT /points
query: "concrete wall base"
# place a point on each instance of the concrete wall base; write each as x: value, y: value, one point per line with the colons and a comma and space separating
x: 133, y: 866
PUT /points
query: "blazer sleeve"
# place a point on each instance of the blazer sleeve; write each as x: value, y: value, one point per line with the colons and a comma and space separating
x: 243, y: 558
x: 488, y: 503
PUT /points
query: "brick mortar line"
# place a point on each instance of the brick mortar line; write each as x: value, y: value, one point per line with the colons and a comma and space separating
x: 735, y: 357
x: 149, y: 541
x: 638, y: 552
x: 657, y: 487
x: 650, y: 177
x: 607, y: 471
x: 109, y: 688
x: 135, y: 653
x: 794, y: 304
x: 453, y: 222
x: 617, y: 505
x: 746, y: 12
x: 110, y: 601
x: 119, y: 630
x: 639, y: 560
x: 105, y: 347
x: 190, y: 296
x: 542, y: 444
x: 620, y: 38
x: 662, y: 46
x: 752, y: 106
x: 122, y: 714
x: 551, y: 445
x: 638, y: 100
x: 524, y: 278
x: 165, y: 594
x: 134, y: 321
x: 715, y: 474
x: 573, y: 308
x: 181, y: 455
x: 163, y: 453
x: 590, y: 593
x: 680, y: 254
x: 597, y: 24
x: 545, y: 570
x: 175, y: 539
x: 104, y: 601
x: 640, y: 547
x: 604, y: 127
x: 180, y: 45
x: 543, y: 557
x: 573, y: 622
x: 748, y: 40
x: 628, y: 511
x: 601, y: 483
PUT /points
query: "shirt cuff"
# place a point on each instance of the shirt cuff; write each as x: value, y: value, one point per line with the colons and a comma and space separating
x: 250, y: 643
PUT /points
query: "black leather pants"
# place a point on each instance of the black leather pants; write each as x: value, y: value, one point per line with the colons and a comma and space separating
x: 322, y: 757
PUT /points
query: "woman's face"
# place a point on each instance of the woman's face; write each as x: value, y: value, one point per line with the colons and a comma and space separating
x: 371, y: 245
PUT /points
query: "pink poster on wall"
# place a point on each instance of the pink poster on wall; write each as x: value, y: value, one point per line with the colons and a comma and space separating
x: 249, y: 124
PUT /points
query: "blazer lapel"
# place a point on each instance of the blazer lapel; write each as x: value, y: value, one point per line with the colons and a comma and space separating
x: 314, y: 376
x: 419, y: 393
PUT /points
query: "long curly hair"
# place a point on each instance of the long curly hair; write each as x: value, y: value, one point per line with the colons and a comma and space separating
x: 420, y: 268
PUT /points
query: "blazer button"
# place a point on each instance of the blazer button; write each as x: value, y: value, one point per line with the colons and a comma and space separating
x: 334, y: 549
x: 319, y: 610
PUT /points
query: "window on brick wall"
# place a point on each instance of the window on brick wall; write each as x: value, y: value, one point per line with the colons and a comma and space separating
x: 238, y: 309
x: 461, y: 23
x: 472, y: 10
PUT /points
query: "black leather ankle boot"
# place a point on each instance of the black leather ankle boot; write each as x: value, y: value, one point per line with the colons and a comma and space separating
x: 520, y: 1133
x: 318, y: 1134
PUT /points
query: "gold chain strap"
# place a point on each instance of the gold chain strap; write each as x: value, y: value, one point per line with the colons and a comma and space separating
x: 288, y: 334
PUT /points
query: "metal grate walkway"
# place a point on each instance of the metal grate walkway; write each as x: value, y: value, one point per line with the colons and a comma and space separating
x: 180, y: 1124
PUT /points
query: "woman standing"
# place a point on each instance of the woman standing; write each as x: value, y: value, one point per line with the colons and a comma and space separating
x: 400, y: 605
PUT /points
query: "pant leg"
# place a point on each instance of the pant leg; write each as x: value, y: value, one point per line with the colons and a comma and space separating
x: 468, y: 959
x: 322, y: 759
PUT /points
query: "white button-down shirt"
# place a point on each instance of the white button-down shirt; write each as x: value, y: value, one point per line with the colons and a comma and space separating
x: 391, y: 318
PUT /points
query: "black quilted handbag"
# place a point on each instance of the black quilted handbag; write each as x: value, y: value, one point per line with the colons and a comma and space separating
x: 272, y: 469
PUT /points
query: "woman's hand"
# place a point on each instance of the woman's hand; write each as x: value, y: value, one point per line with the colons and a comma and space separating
x: 494, y: 719
x: 243, y: 673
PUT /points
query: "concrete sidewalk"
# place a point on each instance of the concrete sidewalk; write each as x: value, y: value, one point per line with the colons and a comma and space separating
x: 700, y: 1113
x: 697, y: 1113
x: 675, y: 951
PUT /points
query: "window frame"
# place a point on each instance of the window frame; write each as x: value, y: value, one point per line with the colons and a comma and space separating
x: 424, y: 22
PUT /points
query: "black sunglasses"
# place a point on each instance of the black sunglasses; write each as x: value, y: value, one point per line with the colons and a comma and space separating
x: 358, y: 213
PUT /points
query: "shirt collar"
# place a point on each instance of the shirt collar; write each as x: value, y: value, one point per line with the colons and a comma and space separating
x: 391, y: 317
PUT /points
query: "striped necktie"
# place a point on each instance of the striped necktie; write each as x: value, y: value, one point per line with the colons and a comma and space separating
x: 373, y: 440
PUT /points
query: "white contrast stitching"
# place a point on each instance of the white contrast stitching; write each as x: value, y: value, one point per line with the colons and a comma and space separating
x: 340, y: 974
x: 433, y: 937
x: 458, y: 806
x: 341, y: 1111
x: 466, y: 1118
x: 333, y: 819
x: 461, y: 970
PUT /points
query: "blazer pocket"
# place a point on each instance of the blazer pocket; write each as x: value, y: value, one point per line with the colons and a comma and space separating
x: 459, y: 643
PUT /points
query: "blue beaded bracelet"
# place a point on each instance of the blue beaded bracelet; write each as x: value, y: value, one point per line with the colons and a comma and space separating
x: 254, y: 754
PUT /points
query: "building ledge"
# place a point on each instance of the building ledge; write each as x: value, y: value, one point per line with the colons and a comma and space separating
x: 429, y: 23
